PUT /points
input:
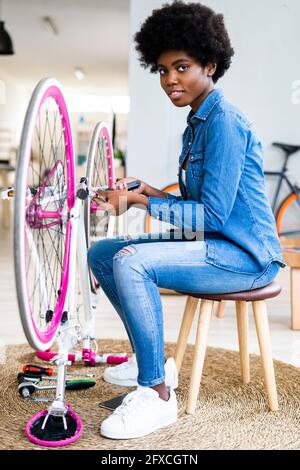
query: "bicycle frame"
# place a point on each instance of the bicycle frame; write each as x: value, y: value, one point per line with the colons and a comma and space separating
x: 70, y: 332
x: 282, y: 177
x: 78, y: 257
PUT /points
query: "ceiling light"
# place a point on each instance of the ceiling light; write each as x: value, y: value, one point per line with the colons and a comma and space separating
x: 50, y: 25
x: 6, y: 45
x: 79, y: 73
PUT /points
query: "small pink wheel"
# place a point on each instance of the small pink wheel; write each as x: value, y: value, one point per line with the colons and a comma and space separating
x: 54, y: 433
x: 100, y: 172
x: 44, y: 197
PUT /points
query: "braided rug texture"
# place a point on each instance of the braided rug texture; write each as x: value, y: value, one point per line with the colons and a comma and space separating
x: 229, y: 414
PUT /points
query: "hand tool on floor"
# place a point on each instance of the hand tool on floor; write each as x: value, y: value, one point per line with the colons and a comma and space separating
x: 34, y: 369
x: 28, y: 385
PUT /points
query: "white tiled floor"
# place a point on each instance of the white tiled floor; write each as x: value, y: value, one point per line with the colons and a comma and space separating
x: 285, y: 342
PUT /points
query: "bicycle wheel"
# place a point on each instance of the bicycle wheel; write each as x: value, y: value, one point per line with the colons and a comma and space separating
x: 44, y: 197
x: 100, y: 172
x: 288, y: 217
x: 149, y: 221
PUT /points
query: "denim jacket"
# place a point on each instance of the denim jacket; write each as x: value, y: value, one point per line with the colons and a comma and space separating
x: 225, y: 177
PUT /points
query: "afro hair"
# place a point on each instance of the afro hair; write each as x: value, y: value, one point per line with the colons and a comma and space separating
x: 193, y: 28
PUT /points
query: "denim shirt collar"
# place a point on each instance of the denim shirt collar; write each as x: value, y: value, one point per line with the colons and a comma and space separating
x: 206, y: 107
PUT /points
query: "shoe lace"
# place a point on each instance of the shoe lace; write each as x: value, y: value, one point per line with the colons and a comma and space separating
x: 134, y: 402
x: 126, y: 364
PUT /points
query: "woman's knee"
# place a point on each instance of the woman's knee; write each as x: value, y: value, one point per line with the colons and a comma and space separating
x: 127, y: 259
x: 98, y: 253
x: 104, y: 251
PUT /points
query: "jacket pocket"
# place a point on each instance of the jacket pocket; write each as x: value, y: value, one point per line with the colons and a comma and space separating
x: 195, y: 164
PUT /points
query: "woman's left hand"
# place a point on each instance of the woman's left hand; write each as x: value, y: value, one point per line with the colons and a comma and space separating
x: 114, y: 202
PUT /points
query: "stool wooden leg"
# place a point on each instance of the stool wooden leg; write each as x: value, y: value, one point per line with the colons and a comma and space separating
x: 242, y: 326
x: 295, y: 304
x: 263, y: 334
x: 188, y: 317
x: 199, y: 353
x: 220, y: 311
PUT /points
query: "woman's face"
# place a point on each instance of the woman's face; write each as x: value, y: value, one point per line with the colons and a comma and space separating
x: 185, y: 81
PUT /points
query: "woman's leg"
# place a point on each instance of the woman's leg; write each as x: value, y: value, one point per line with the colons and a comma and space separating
x: 100, y: 260
x: 139, y: 269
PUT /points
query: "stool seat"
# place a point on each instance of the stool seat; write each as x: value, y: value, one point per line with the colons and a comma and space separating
x: 267, y: 292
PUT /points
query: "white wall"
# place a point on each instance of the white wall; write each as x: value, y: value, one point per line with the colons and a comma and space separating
x: 266, y: 36
x: 13, y: 103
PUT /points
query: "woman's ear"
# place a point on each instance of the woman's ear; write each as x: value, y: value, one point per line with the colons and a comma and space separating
x: 211, y: 68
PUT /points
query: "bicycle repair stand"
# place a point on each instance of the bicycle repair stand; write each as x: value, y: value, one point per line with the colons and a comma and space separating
x: 59, y: 425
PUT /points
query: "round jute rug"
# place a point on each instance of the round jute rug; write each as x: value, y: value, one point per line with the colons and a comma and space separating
x: 229, y: 414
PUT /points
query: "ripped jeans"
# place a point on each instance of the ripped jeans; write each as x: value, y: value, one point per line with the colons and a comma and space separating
x: 130, y: 271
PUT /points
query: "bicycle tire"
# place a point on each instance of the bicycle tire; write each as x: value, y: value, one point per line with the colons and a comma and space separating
x: 44, y: 197
x: 288, y: 217
x: 100, y: 172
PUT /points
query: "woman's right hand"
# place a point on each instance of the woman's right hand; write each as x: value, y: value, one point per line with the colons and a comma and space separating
x: 121, y: 185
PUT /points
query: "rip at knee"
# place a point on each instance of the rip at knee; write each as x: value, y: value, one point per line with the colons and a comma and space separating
x: 124, y: 253
x: 127, y: 250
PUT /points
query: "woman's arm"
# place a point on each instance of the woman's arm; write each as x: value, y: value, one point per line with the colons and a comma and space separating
x: 153, y: 192
x: 144, y: 189
x: 223, y: 166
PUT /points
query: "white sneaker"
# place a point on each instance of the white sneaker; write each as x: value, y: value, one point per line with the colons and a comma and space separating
x: 140, y: 413
x: 125, y: 374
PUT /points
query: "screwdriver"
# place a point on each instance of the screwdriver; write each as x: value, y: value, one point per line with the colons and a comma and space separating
x: 37, y: 369
x: 33, y: 369
x: 29, y: 377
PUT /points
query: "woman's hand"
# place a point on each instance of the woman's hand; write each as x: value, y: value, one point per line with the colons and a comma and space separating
x: 117, y: 202
x: 121, y: 184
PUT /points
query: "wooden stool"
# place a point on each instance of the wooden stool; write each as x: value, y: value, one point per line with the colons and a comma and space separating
x: 257, y: 297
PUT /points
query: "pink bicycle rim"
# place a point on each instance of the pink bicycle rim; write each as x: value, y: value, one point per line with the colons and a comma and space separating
x: 111, y: 172
x: 55, y: 93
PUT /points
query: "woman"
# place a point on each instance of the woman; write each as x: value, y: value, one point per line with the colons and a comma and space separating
x: 222, y: 194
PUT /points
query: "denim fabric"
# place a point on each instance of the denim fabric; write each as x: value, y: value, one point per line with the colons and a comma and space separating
x: 131, y: 280
x: 225, y: 190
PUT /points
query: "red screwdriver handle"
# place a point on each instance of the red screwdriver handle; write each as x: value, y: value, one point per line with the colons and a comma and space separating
x: 37, y: 369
